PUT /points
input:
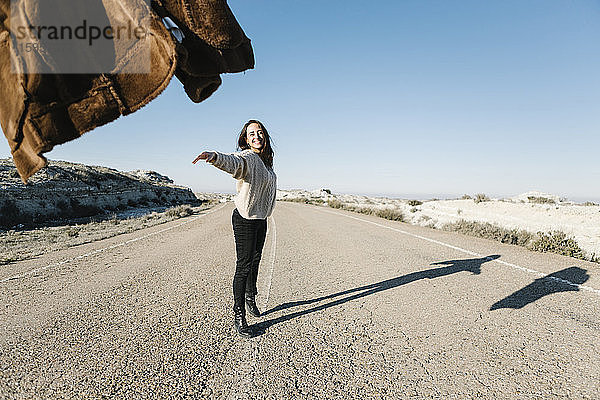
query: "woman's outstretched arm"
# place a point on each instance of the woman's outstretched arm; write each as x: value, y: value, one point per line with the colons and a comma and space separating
x: 234, y: 163
x: 205, y: 155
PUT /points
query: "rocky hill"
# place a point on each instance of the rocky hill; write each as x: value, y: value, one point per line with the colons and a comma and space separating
x: 65, y: 190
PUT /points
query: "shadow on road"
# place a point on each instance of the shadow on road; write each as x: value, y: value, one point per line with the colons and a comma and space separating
x: 564, y: 280
x: 472, y: 265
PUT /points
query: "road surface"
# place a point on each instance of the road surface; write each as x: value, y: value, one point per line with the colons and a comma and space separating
x: 355, y: 307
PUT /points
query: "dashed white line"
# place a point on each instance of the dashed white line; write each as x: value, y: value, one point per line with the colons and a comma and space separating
x: 472, y: 253
x: 270, y: 274
x: 91, y: 253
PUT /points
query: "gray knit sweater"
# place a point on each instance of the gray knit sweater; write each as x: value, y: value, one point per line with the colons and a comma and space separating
x: 256, y: 185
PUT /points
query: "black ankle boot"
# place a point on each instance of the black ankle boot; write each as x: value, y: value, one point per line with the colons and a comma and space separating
x: 251, y: 305
x: 239, y: 321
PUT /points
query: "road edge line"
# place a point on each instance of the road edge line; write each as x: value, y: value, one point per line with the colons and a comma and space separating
x: 525, y: 269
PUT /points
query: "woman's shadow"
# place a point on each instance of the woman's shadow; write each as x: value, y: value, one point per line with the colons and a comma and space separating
x: 472, y: 265
x: 565, y: 280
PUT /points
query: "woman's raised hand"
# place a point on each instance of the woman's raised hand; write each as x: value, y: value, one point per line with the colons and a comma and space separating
x: 205, y: 155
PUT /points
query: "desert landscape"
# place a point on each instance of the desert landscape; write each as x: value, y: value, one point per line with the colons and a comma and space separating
x: 540, y: 221
x: 419, y: 175
x: 67, y: 204
x: 124, y: 278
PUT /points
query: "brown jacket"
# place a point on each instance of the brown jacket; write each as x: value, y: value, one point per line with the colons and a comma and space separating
x: 41, y: 110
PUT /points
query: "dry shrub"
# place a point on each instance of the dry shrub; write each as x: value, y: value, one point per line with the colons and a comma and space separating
x: 490, y: 231
x: 557, y: 242
x: 335, y: 203
x: 480, y: 197
x: 387, y: 213
x: 179, y: 211
x: 540, y: 200
x: 390, y: 213
x: 546, y: 242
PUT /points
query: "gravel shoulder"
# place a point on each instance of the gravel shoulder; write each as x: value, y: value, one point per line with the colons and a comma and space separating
x: 21, y: 244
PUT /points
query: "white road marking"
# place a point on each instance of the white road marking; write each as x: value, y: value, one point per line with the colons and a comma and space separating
x: 270, y: 275
x: 91, y: 253
x: 472, y: 253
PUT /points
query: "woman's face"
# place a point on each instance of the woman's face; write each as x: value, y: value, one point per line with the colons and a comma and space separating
x: 255, y: 137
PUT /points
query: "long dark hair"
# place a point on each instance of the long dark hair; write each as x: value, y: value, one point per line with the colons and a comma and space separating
x: 266, y: 153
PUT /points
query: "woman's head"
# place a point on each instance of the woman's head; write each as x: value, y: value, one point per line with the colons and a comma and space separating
x: 254, y: 136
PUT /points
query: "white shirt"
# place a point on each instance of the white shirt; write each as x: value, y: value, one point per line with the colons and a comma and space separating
x: 256, y: 183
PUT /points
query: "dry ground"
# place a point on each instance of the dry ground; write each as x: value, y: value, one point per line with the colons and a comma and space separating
x: 356, y: 307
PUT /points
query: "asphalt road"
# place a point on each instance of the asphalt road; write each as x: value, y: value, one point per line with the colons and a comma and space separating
x: 355, y: 307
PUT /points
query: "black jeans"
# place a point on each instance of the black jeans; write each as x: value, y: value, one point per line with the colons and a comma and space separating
x: 249, y: 241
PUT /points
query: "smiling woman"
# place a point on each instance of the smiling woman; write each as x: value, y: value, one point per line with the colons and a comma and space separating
x: 255, y: 200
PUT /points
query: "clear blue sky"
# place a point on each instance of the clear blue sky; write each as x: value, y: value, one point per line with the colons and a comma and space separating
x: 413, y: 98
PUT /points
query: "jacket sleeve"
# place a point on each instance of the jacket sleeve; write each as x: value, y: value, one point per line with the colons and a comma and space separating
x: 235, y: 164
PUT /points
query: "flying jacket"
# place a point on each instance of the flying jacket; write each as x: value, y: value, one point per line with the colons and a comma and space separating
x: 41, y: 110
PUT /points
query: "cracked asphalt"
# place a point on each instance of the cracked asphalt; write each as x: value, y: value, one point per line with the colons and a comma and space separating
x: 355, y: 310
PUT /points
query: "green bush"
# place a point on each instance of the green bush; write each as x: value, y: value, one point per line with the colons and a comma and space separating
x: 414, y: 202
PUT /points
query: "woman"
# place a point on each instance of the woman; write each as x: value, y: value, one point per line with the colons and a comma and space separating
x: 255, y: 199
